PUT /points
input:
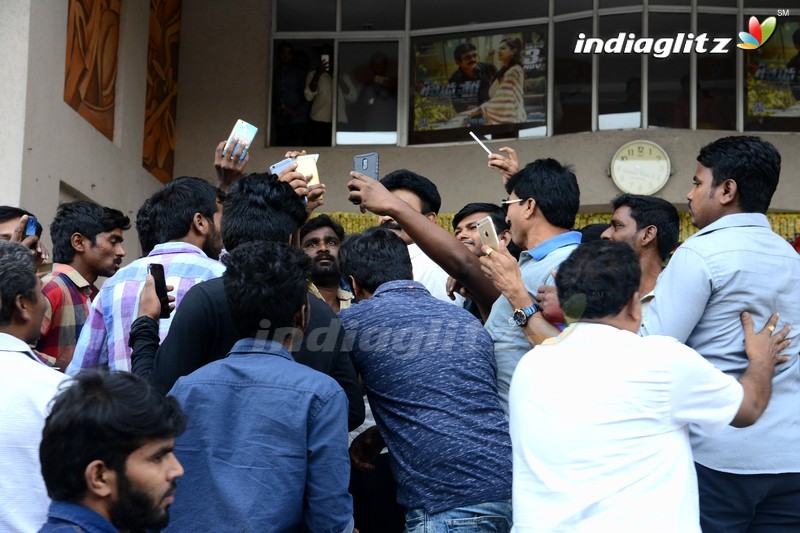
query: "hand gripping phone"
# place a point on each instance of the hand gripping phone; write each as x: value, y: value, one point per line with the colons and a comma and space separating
x: 30, y: 226
x: 157, y: 271
x: 487, y: 233
x: 245, y: 133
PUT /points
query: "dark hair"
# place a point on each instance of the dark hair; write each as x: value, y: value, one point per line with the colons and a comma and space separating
x: 592, y: 232
x: 598, y: 279
x: 492, y: 210
x: 516, y: 59
x: 553, y: 186
x: 173, y: 207
x: 260, y: 208
x: 17, y: 278
x: 652, y: 211
x: 101, y: 416
x: 374, y: 258
x: 462, y: 49
x: 265, y: 284
x: 424, y: 188
x: 8, y: 212
x: 322, y: 221
x: 754, y: 164
x: 147, y: 238
x: 86, y: 218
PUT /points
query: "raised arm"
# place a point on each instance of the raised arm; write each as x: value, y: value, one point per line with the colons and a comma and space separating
x: 437, y: 243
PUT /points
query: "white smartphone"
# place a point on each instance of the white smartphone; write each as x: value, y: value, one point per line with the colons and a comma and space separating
x: 487, y: 233
x: 242, y: 132
x: 325, y: 58
x: 280, y: 166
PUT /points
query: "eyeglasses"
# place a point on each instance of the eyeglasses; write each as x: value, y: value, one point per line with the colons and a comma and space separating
x: 506, y: 202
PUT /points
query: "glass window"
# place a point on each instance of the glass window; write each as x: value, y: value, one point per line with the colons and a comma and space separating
x: 368, y: 15
x: 572, y: 6
x: 716, y: 76
x: 443, y: 13
x: 619, y: 3
x: 306, y: 15
x: 772, y: 81
x: 293, y: 64
x: 620, y: 76
x: 668, y: 85
x: 762, y: 4
x: 492, y: 83
x: 367, y: 94
x: 572, y: 97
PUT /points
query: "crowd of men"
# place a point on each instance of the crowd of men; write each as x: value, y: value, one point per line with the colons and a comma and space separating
x: 406, y: 378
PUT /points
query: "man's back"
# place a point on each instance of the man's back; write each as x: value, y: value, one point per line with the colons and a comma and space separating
x: 429, y: 372
x: 266, y: 445
x: 26, y: 389
x: 599, y: 427
x: 736, y: 264
x: 104, y: 339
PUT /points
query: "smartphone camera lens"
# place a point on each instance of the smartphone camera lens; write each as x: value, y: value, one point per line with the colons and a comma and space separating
x: 364, y: 164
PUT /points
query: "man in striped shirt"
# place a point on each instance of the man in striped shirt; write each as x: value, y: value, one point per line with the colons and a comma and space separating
x: 185, y: 218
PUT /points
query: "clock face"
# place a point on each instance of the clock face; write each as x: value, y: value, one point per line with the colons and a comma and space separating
x: 640, y: 167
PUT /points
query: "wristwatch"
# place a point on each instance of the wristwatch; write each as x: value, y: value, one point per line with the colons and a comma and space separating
x: 521, y: 316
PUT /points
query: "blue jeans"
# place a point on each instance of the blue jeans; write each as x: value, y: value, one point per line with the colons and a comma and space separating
x: 482, y: 517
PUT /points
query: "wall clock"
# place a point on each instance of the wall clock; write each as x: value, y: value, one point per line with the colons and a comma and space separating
x: 640, y: 167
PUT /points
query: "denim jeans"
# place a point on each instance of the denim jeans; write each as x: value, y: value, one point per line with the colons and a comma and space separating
x: 482, y: 517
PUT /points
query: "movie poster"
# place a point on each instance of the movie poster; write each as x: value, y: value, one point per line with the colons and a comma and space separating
x: 491, y: 83
x: 773, y: 75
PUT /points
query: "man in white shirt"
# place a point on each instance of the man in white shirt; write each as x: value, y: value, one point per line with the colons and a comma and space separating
x: 26, y: 388
x: 421, y: 194
x: 599, y: 416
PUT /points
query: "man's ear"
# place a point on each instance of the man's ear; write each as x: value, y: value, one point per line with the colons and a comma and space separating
x: 505, y: 237
x: 432, y: 216
x: 101, y: 481
x: 24, y: 308
x: 648, y: 235
x: 200, y: 224
x: 358, y: 290
x: 633, y: 309
x: 79, y: 243
x: 302, y: 317
x: 728, y: 192
x: 530, y: 207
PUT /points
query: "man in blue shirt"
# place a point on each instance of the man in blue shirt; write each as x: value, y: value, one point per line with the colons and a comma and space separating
x: 543, y: 200
x: 107, y: 455
x: 266, y: 446
x: 749, y: 479
x: 429, y: 372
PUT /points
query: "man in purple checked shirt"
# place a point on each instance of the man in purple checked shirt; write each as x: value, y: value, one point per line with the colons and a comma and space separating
x: 185, y: 219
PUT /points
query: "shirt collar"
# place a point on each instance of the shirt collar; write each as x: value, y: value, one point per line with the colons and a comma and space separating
x: 399, y: 285
x: 10, y: 343
x: 75, y: 277
x: 252, y: 345
x: 88, y: 520
x: 178, y: 247
x: 553, y: 243
x: 736, y: 220
x: 414, y: 250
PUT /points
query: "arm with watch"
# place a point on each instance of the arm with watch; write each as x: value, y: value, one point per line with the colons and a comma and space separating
x: 503, y: 271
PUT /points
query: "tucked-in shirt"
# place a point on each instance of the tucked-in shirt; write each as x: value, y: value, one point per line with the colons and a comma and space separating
x: 265, y: 448
x: 431, y: 275
x: 104, y: 340
x: 429, y: 373
x: 599, y: 429
x: 66, y: 517
x: 732, y: 265
x: 26, y: 389
x: 509, y: 339
x: 68, y: 295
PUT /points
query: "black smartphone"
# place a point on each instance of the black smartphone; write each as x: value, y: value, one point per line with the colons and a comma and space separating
x: 367, y: 164
x: 157, y: 271
x: 30, y: 227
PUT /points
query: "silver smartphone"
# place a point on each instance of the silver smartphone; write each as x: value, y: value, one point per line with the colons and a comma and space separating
x: 487, y: 233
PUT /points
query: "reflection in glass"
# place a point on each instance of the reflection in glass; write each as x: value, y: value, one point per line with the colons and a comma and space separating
x: 620, y: 81
x: 442, y: 13
x: 572, y: 96
x: 306, y: 15
x: 668, y: 89
x: 367, y: 15
x: 290, y: 109
x: 367, y: 92
x: 716, y: 76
